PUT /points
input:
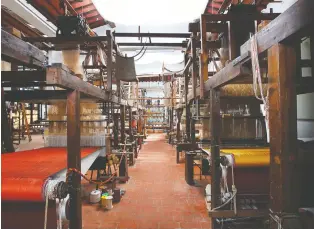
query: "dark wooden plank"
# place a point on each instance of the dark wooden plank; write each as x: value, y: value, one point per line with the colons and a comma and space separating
x: 204, y: 57
x: 215, y: 125
x: 18, y: 96
x: 226, y: 75
x: 240, y: 213
x: 187, y: 110
x: 210, y: 27
x: 161, y: 35
x: 74, y: 158
x: 63, y: 39
x: 109, y: 60
x: 305, y: 85
x: 284, y: 169
x: 14, y: 49
x: 248, y: 16
x: 6, y: 140
x: 194, y: 65
x: 23, y: 76
x: 122, y: 120
x: 297, y: 19
x: 59, y: 75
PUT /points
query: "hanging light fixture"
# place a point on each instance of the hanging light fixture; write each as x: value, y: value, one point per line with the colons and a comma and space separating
x: 150, y: 12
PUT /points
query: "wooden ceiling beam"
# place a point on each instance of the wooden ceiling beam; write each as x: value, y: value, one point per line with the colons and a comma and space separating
x: 84, y: 3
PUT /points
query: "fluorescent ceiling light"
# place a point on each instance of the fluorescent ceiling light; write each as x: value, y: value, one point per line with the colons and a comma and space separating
x: 150, y: 12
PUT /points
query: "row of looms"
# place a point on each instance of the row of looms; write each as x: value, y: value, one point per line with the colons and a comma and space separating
x: 237, y: 123
x: 232, y: 111
x: 82, y: 111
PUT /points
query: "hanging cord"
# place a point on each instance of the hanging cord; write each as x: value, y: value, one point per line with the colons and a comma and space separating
x: 212, y: 52
x: 46, y: 212
x: 60, y: 212
x: 141, y: 55
x: 257, y: 79
x: 134, y: 55
x: 50, y: 195
x: 144, y: 47
x: 173, y: 71
x: 233, y: 197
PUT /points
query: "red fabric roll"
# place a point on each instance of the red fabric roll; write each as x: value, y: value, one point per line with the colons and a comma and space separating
x: 24, y: 173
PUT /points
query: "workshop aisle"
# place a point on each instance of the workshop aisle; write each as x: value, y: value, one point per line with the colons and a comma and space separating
x: 157, y: 195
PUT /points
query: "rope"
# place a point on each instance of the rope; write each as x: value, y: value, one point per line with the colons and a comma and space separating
x: 46, y: 212
x: 50, y: 195
x: 257, y: 79
x: 60, y: 212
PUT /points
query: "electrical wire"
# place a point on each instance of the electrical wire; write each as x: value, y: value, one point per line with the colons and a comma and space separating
x: 173, y: 71
x: 141, y: 55
x: 134, y: 55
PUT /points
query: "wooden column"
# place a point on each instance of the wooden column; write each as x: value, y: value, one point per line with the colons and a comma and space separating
x: 284, y: 172
x: 109, y: 60
x: 204, y: 56
x: 6, y: 133
x: 74, y: 158
x: 122, y: 120
x: 115, y: 129
x: 31, y: 107
x: 194, y: 65
x: 192, y: 123
x: 187, y: 108
x: 171, y: 123
x: 179, y: 113
x: 130, y: 124
x: 215, y: 124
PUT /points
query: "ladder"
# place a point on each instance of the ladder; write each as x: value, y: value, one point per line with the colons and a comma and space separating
x: 27, y: 130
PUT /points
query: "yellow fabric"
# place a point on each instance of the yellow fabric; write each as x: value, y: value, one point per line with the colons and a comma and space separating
x: 248, y: 157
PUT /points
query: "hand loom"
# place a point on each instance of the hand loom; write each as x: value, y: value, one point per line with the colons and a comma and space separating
x: 24, y: 184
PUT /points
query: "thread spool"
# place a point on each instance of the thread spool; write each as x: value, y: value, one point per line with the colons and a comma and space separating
x: 94, y: 196
x: 103, y: 201
x: 109, y: 202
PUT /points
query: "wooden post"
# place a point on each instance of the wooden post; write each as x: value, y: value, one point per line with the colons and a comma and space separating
x: 109, y: 60
x: 74, y: 158
x: 284, y: 171
x: 188, y: 122
x: 115, y: 130
x: 171, y: 124
x: 6, y: 139
x: 130, y: 124
x: 31, y: 107
x: 215, y: 123
x: 192, y: 123
x: 204, y: 56
x: 179, y: 113
x: 122, y: 120
x: 194, y: 65
x: 187, y: 108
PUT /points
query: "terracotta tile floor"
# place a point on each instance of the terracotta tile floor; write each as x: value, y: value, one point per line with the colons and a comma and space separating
x: 157, y: 195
